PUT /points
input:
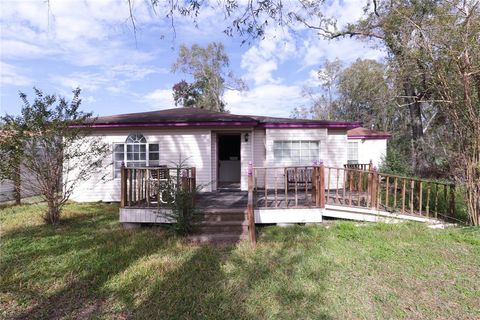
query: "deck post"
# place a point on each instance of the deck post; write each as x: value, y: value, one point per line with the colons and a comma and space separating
x: 184, y: 180
x: 193, y: 183
x: 321, y: 184
x: 373, y: 188
x: 250, y: 213
x: 314, y: 183
x: 123, y: 186
x: 452, y: 201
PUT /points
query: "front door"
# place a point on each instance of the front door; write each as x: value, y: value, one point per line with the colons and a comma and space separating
x: 229, y: 170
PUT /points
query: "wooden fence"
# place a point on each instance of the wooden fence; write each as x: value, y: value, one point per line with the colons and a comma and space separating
x: 153, y: 186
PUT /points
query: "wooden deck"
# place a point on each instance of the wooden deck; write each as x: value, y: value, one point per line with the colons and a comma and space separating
x: 291, y: 195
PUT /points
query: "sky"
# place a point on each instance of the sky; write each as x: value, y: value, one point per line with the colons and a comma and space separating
x: 63, y: 44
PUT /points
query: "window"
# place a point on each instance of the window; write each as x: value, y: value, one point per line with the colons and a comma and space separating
x: 296, y: 152
x: 135, y: 152
x: 153, y: 154
x: 352, y: 153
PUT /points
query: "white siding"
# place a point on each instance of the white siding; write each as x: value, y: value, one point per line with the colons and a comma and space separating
x: 214, y: 143
x: 194, y: 145
x: 200, y: 147
x: 275, y: 177
x: 373, y: 149
x: 335, y: 153
x: 332, y: 150
x: 246, y: 155
x: 336, y: 157
x: 332, y: 143
x: 259, y: 148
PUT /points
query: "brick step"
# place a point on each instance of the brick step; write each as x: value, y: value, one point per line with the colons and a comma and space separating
x: 217, y: 237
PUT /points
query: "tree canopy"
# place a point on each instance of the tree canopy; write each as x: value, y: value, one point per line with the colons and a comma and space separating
x: 46, y: 148
x: 209, y: 69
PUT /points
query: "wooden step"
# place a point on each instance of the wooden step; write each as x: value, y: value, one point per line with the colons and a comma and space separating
x: 222, y: 215
x: 217, y: 237
x: 222, y: 226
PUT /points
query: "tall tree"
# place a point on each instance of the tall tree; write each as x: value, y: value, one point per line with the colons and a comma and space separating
x: 453, y: 57
x: 434, y: 47
x: 209, y: 69
x: 366, y: 93
x: 324, y: 96
x: 48, y: 148
x: 393, y: 24
x: 363, y: 91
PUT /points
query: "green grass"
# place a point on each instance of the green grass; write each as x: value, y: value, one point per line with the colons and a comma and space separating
x: 90, y: 267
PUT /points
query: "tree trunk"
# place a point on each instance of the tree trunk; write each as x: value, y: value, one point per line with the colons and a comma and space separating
x: 52, y: 215
x: 416, y: 124
x: 17, y: 185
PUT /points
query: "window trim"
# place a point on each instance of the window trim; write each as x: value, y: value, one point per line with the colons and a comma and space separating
x: 125, y: 161
x: 349, y: 144
x: 290, y: 160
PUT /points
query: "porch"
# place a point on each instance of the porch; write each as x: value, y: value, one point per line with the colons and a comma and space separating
x: 293, y: 194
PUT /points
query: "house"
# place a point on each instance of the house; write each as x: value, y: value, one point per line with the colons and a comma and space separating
x: 365, y: 145
x: 295, y: 171
x: 219, y: 145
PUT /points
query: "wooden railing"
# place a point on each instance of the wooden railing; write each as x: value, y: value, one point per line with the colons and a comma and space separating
x: 315, y: 186
x: 153, y: 186
x: 387, y: 192
x: 285, y: 187
x: 360, y: 166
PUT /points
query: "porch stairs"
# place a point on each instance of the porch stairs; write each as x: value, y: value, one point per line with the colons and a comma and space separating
x: 227, y: 225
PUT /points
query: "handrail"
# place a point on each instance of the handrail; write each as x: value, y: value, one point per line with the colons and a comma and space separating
x: 316, y: 185
x: 359, y: 166
x: 152, y: 186
x: 251, y: 207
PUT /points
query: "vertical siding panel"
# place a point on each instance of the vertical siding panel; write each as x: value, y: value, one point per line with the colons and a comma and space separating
x: 214, y: 160
x: 245, y: 157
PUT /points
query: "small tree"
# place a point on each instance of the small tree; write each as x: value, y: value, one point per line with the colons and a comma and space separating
x: 178, y: 195
x: 49, y: 149
x: 11, y: 170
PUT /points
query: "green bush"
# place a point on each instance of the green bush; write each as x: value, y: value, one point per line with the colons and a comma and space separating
x: 396, y: 162
x: 184, y: 213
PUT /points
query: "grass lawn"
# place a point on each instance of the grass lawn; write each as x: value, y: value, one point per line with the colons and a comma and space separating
x: 90, y: 268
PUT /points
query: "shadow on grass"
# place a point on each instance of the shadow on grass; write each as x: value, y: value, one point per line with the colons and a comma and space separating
x: 83, y: 255
x: 240, y: 283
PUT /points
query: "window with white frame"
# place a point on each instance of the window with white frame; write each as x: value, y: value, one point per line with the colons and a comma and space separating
x: 301, y: 152
x: 135, y: 152
x: 352, y: 153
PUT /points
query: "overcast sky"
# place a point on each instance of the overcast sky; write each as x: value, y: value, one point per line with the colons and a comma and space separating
x: 91, y: 44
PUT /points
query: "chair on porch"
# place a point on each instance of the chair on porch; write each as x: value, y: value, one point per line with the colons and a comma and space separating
x: 161, y: 183
x: 300, y: 176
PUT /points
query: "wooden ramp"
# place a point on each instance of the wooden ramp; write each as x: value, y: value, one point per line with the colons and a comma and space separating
x: 373, y: 215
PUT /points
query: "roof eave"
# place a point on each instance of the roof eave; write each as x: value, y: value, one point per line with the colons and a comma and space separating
x: 328, y: 125
x: 169, y: 124
x: 379, y: 137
